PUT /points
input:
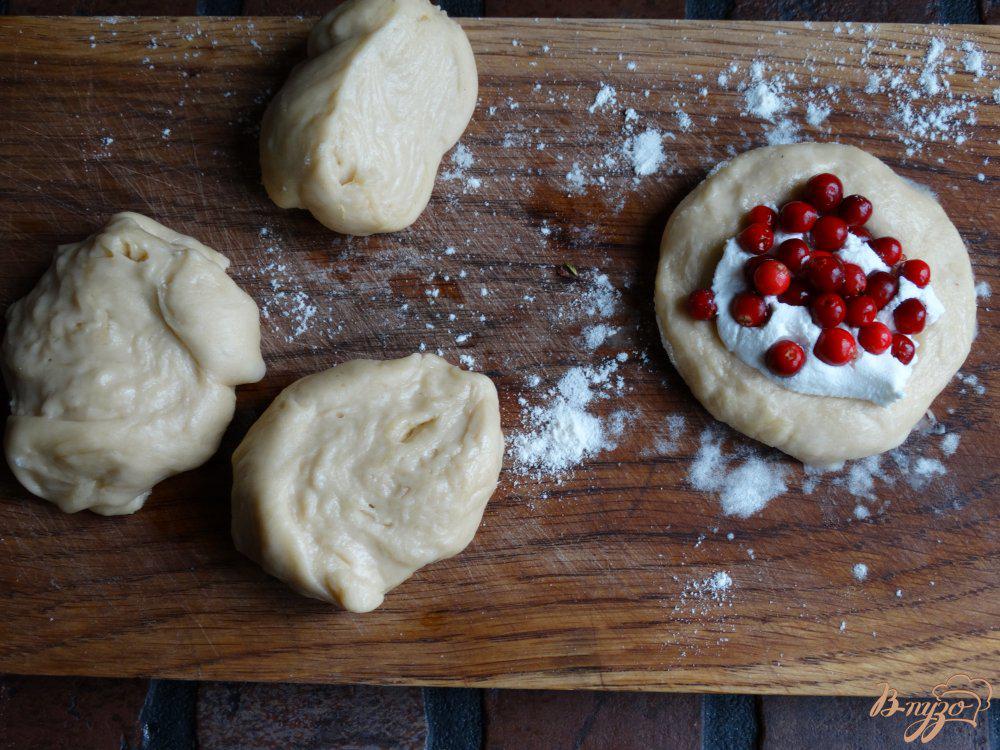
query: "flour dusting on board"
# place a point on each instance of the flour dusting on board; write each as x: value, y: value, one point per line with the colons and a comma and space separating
x: 743, y: 483
x: 562, y: 431
x: 287, y: 306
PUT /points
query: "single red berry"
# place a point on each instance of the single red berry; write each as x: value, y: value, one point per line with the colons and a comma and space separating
x: 835, y: 346
x: 829, y: 233
x: 828, y: 310
x: 756, y: 239
x: 826, y: 273
x: 785, y: 358
x: 916, y: 271
x: 888, y: 249
x: 748, y: 309
x: 793, y: 254
x: 855, y: 210
x: 762, y: 215
x: 751, y: 266
x: 797, y: 294
x: 861, y: 232
x: 772, y: 277
x: 902, y: 348
x: 824, y: 191
x: 701, y: 304
x: 798, y: 216
x: 882, y: 287
x: 855, y: 280
x: 861, y: 311
x: 875, y: 337
x: 910, y: 316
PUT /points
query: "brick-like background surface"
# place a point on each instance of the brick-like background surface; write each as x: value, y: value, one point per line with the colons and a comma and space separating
x: 82, y: 713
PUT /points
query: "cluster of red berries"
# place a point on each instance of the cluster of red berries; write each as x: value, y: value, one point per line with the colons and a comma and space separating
x: 812, y: 275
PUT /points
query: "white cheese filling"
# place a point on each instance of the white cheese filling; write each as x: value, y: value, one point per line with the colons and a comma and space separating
x: 879, y: 378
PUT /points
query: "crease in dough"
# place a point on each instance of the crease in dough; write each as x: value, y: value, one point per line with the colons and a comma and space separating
x: 817, y: 430
x: 121, y: 365
x: 355, y: 477
x: 357, y: 133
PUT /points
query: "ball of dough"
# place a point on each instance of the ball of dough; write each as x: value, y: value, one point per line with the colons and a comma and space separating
x: 358, y: 131
x: 357, y: 476
x: 819, y: 430
x: 121, y: 365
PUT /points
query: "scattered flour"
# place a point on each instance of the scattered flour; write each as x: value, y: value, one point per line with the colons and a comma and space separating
x: 576, y: 178
x: 973, y: 59
x: 971, y: 381
x: 288, y: 307
x: 701, y: 596
x: 462, y: 160
x: 667, y: 441
x: 597, y: 334
x: 645, y: 152
x: 816, y: 114
x: 607, y: 96
x: 560, y: 432
x: 949, y: 443
x: 744, y: 487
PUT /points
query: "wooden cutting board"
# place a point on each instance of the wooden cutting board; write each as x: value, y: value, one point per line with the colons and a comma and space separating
x: 592, y: 579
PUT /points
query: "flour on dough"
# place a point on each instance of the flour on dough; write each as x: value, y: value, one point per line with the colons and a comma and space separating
x: 357, y: 476
x: 357, y: 133
x: 121, y: 365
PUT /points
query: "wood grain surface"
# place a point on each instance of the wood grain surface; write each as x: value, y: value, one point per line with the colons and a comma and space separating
x: 585, y: 580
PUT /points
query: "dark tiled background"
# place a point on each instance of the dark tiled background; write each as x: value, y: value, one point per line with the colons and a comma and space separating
x: 51, y: 713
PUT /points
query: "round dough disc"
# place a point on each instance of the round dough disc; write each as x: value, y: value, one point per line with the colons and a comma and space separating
x: 121, y: 365
x: 357, y: 476
x: 816, y: 430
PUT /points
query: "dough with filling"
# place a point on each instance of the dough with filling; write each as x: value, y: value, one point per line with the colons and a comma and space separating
x: 818, y: 430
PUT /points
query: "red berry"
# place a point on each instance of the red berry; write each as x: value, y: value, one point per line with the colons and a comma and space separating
x: 785, y: 358
x: 797, y: 294
x: 882, y: 287
x: 762, y: 215
x: 855, y: 280
x: 829, y: 233
x: 875, y: 337
x: 861, y: 311
x: 756, y: 239
x: 793, y: 254
x: 826, y: 273
x: 855, y: 210
x: 751, y: 266
x: 828, y: 310
x: 772, y: 277
x: 861, y: 232
x: 798, y: 216
x: 888, y: 249
x: 916, y: 271
x: 824, y: 191
x: 835, y: 346
x: 701, y: 304
x: 910, y: 316
x: 748, y: 309
x: 902, y: 348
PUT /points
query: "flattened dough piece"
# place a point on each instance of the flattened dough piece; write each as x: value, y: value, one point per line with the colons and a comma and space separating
x: 817, y: 430
x: 121, y: 365
x: 357, y: 476
x: 357, y: 133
